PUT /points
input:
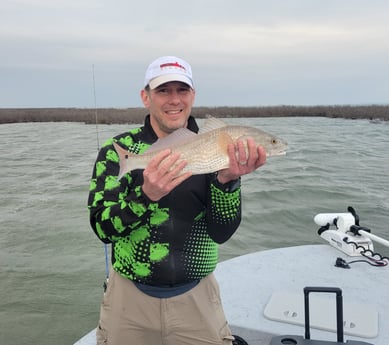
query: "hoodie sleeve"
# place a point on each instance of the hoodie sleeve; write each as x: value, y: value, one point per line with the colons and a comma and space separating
x: 115, y: 207
x: 225, y: 211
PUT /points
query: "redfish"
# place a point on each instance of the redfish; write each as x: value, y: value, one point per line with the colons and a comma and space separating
x: 205, y: 152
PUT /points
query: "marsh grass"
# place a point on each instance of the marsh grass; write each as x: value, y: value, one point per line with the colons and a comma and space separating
x: 136, y: 115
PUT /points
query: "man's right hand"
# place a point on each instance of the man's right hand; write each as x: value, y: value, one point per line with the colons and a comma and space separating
x: 163, y: 174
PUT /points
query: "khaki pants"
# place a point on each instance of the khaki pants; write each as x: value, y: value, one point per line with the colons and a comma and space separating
x: 130, y: 317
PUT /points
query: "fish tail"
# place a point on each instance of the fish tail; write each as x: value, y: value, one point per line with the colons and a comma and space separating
x: 124, y: 155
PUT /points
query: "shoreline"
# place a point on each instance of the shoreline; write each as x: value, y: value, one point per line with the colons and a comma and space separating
x: 136, y: 115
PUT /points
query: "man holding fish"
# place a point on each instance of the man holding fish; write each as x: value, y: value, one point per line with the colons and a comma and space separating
x: 165, y: 195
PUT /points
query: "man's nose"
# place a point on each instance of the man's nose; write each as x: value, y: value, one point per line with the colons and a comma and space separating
x: 174, y: 97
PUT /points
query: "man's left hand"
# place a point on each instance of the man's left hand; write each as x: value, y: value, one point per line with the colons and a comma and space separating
x: 242, y: 162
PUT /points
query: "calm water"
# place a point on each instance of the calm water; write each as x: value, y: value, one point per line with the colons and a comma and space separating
x: 52, y: 265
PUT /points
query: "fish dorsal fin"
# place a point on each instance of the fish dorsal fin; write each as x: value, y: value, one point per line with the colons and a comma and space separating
x: 179, y: 136
x: 211, y: 123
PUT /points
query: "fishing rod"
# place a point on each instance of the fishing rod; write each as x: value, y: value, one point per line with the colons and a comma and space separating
x: 98, y: 149
x: 96, y: 118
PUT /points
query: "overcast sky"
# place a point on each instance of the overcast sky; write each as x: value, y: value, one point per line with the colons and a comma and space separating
x: 243, y: 53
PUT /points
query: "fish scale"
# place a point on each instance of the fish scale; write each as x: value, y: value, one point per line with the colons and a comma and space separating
x: 206, y: 153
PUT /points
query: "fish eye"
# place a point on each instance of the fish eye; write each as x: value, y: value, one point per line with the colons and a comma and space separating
x: 274, y: 141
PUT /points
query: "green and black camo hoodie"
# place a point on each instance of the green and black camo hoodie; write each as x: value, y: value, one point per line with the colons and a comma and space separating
x: 172, y: 241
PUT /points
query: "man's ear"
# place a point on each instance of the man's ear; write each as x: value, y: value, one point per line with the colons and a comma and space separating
x: 144, y: 95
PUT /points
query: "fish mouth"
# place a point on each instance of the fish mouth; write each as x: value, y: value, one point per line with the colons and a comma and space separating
x: 279, y: 153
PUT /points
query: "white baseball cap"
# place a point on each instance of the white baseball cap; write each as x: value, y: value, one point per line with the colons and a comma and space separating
x: 168, y: 68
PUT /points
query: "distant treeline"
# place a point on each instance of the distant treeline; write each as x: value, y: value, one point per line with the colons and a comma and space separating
x: 136, y: 115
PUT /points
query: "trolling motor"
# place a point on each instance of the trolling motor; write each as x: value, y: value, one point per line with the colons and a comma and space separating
x: 346, y: 234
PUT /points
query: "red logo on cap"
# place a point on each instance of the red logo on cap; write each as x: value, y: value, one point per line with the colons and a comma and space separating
x: 172, y: 64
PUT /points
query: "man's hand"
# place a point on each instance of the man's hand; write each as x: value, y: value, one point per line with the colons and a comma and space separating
x: 242, y: 163
x: 163, y: 174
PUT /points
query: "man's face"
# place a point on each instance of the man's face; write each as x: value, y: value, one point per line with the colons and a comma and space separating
x: 170, y: 105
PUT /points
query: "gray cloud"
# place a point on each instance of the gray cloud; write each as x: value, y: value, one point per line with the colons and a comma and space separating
x: 243, y: 53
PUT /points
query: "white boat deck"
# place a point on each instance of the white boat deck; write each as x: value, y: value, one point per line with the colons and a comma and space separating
x: 248, y: 282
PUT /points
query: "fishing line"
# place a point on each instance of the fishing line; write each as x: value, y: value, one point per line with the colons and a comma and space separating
x: 96, y: 118
x: 98, y: 149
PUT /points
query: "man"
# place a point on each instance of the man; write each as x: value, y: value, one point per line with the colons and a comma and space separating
x: 165, y: 225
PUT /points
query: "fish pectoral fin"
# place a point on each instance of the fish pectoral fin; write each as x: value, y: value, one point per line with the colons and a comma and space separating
x: 222, y: 142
